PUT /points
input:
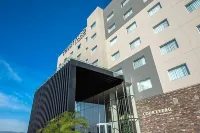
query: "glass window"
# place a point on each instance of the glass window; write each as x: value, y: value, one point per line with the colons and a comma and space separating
x: 79, y: 46
x: 111, y: 15
x: 192, y: 6
x: 154, y: 9
x: 95, y: 63
x: 139, y: 62
x: 198, y: 27
x: 178, y: 72
x: 94, y: 36
x: 168, y: 47
x: 128, y: 13
x: 115, y: 56
x: 113, y: 41
x: 131, y: 27
x: 93, y: 25
x: 111, y: 28
x: 144, y: 85
x: 124, y: 3
x: 86, y: 60
x: 119, y: 71
x: 86, y: 39
x: 71, y: 53
x: 78, y: 57
x: 161, y: 26
x: 135, y: 43
x: 94, y: 49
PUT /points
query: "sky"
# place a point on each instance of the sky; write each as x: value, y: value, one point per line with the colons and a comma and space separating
x: 33, y: 33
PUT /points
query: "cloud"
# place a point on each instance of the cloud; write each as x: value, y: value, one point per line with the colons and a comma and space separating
x: 12, y: 102
x: 13, y: 125
x: 8, y: 72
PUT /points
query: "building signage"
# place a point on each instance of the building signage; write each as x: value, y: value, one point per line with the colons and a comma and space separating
x: 157, y: 112
x: 80, y: 36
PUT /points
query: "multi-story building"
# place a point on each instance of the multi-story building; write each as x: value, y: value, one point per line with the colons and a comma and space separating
x: 155, y: 45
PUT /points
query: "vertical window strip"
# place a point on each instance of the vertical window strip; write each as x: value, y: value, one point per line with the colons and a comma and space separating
x: 161, y: 26
x: 135, y: 43
x: 110, y: 16
x: 178, y: 72
x: 154, y: 9
x: 139, y: 62
x: 128, y: 13
x: 144, y: 85
x: 131, y: 27
x: 115, y: 56
x: 192, y: 6
x: 169, y: 47
x: 113, y: 41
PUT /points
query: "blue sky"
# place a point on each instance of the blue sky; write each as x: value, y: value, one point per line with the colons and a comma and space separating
x: 33, y: 33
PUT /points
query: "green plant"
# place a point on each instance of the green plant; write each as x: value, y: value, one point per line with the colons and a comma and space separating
x: 65, y: 123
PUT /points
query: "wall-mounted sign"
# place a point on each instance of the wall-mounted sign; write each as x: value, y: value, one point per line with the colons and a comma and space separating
x: 156, y: 112
x: 79, y: 37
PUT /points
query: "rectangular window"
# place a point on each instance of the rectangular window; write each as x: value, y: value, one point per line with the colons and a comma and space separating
x: 192, y: 6
x: 95, y: 63
x: 113, y: 41
x: 115, y: 56
x: 131, y: 27
x: 79, y: 46
x: 135, y: 43
x: 168, y: 47
x: 119, y: 71
x: 78, y: 57
x: 94, y: 49
x: 161, y: 26
x: 86, y: 39
x: 128, y: 13
x: 178, y: 72
x: 154, y: 9
x: 111, y: 28
x: 124, y: 3
x: 198, y: 27
x: 94, y: 36
x: 144, y: 85
x: 71, y: 53
x: 139, y: 62
x: 65, y: 59
x: 86, y: 60
x: 111, y: 15
x: 93, y: 25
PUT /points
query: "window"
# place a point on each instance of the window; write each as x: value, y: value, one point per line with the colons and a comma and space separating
x: 86, y: 48
x: 113, y: 41
x: 119, y: 71
x: 192, y: 6
x: 94, y: 36
x: 94, y: 49
x: 198, y: 27
x: 168, y: 47
x: 95, y: 63
x: 65, y: 59
x: 135, y: 43
x: 145, y: 1
x: 86, y: 39
x: 154, y: 9
x: 86, y: 60
x: 161, y: 26
x: 178, y: 72
x: 78, y: 57
x: 60, y: 65
x: 111, y: 28
x: 111, y: 15
x: 115, y: 56
x: 79, y: 46
x: 128, y: 13
x: 93, y: 25
x: 139, y: 62
x: 124, y: 3
x: 131, y: 27
x: 71, y: 53
x: 144, y: 85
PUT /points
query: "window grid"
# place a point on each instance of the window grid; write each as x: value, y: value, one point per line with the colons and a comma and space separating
x: 154, y: 9
x: 192, y: 6
x: 135, y: 43
x: 124, y: 3
x: 131, y: 27
x: 111, y: 28
x: 128, y: 13
x: 115, y: 56
x: 144, y: 85
x: 110, y: 16
x: 93, y: 25
x: 169, y: 47
x: 139, y: 62
x: 94, y: 36
x: 94, y: 49
x: 113, y: 41
x: 161, y: 26
x: 178, y: 72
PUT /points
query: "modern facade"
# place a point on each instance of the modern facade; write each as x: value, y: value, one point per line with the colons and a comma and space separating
x: 155, y: 45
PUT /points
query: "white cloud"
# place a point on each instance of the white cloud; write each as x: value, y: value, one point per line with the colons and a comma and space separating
x: 8, y: 72
x: 13, y: 125
x: 12, y: 102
